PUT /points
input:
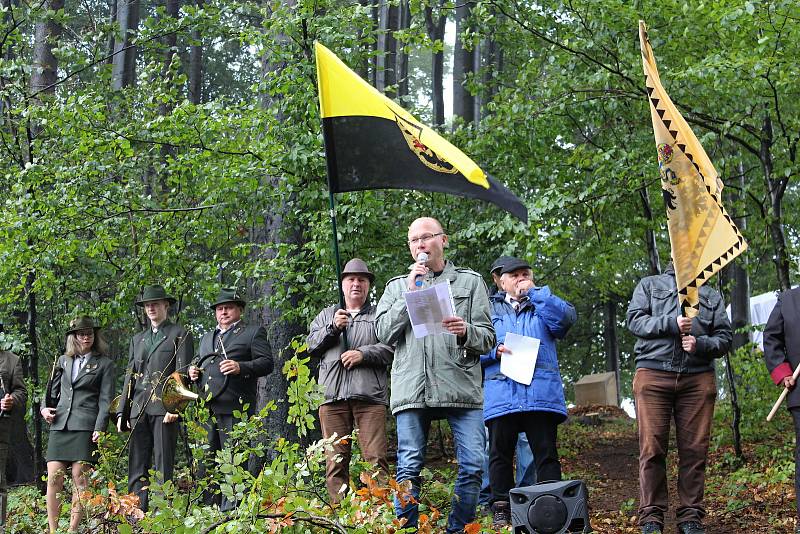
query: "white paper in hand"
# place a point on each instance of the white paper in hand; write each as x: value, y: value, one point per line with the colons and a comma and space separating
x: 520, y: 364
x: 428, y: 307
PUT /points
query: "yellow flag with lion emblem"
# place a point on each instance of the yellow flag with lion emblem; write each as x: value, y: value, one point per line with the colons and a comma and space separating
x: 703, y: 236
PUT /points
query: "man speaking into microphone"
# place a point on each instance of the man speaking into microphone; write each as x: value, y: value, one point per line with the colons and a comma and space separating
x: 437, y: 376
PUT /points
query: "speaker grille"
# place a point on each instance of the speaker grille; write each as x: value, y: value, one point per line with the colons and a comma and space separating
x: 547, y: 514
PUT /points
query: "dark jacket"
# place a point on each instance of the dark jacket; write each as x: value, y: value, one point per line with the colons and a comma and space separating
x: 782, y: 341
x: 652, y: 318
x: 365, y: 382
x: 152, y: 366
x: 545, y: 317
x: 11, y: 372
x: 248, y: 345
x: 83, y: 404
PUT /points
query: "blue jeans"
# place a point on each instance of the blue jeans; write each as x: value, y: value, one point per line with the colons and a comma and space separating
x: 525, y: 472
x: 412, y: 438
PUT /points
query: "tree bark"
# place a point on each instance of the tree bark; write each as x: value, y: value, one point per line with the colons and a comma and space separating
x: 277, y: 229
x: 45, y: 65
x: 33, y: 376
x: 463, y: 67
x: 649, y: 234
x: 386, y: 76
x: 111, y: 39
x: 196, y: 64
x: 740, y: 291
x: 435, y: 25
x: 123, y: 70
x: 43, y: 78
x: 776, y: 189
x: 610, y: 340
x: 402, y: 55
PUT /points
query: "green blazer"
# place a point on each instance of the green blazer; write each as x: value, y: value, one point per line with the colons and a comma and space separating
x: 11, y: 372
x: 152, y: 365
x: 83, y: 404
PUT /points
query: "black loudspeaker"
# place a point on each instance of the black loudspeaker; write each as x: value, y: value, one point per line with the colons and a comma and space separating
x: 550, y: 508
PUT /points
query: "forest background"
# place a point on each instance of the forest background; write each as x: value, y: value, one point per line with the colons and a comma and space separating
x: 179, y: 142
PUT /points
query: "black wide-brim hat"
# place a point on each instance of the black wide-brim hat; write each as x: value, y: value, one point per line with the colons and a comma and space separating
x: 155, y: 292
x: 83, y: 322
x: 228, y: 294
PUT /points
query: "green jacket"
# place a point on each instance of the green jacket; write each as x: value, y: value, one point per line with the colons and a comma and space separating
x: 151, y: 365
x: 436, y: 371
x: 83, y: 404
x: 11, y: 372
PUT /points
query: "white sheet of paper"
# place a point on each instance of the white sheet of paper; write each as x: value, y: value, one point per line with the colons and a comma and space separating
x: 520, y: 364
x: 427, y: 307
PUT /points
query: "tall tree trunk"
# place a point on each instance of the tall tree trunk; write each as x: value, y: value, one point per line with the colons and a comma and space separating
x: 196, y: 63
x: 477, y: 100
x: 386, y: 75
x: 649, y: 234
x: 43, y: 78
x: 610, y: 340
x: 33, y: 376
x: 111, y: 39
x: 435, y: 23
x: 373, y: 49
x: 740, y: 291
x: 277, y: 230
x: 402, y: 55
x: 45, y: 65
x: 776, y: 189
x: 123, y: 70
x: 463, y: 66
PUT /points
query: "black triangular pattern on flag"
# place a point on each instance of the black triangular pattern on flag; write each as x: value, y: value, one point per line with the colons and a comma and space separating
x: 650, y: 90
x: 674, y: 134
x: 655, y: 102
x: 693, y: 283
x: 683, y: 291
x: 667, y: 124
x: 660, y: 113
x: 717, y: 262
x: 690, y: 158
x: 682, y: 147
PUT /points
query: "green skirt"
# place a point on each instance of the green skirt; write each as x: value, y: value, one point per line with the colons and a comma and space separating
x: 71, y: 446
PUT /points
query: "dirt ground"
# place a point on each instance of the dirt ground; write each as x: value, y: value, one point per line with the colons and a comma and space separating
x: 605, y: 455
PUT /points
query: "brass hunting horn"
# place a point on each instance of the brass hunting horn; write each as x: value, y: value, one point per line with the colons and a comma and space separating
x: 176, y: 396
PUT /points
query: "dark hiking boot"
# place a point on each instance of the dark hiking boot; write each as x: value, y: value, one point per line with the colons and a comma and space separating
x: 651, y: 527
x: 501, y: 514
x: 691, y: 527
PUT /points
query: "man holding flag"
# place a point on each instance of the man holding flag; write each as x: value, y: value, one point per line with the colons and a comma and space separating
x: 680, y: 324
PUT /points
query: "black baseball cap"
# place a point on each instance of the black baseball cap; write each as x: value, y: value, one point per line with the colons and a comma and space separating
x: 499, y: 262
x: 512, y: 264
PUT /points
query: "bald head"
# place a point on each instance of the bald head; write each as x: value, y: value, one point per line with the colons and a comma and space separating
x: 427, y: 222
x: 427, y: 235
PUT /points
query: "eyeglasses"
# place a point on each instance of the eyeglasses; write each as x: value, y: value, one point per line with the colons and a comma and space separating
x: 423, y: 238
x: 89, y: 333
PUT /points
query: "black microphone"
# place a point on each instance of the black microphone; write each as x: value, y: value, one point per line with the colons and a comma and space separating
x: 422, y: 257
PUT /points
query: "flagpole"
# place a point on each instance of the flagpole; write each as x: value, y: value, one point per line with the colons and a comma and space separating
x: 330, y: 161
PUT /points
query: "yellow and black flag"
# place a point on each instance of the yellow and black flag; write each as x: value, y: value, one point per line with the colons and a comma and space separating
x: 703, y: 236
x: 373, y: 143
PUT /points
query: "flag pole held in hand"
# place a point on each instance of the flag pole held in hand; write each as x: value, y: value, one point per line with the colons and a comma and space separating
x: 780, y: 400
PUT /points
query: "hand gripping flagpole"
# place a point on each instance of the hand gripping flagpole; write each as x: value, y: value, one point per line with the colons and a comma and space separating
x: 780, y: 400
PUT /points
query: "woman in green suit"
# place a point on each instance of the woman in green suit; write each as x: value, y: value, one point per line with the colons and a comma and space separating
x: 86, y: 388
